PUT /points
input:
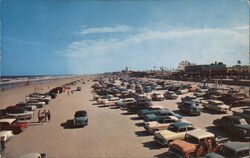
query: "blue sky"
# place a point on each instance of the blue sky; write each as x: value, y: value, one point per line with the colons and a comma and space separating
x: 82, y: 37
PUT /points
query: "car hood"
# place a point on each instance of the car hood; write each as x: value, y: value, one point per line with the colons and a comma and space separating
x: 223, y: 106
x: 244, y: 126
x: 167, y: 134
x: 183, y: 146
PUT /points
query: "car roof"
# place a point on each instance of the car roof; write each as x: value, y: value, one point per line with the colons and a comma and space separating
x: 9, y: 120
x: 81, y: 111
x: 200, y: 134
x: 215, y: 101
x: 30, y: 155
x: 181, y: 124
x: 237, y: 146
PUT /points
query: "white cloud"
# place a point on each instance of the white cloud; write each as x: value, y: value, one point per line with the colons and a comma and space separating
x: 117, y: 28
x: 166, y: 47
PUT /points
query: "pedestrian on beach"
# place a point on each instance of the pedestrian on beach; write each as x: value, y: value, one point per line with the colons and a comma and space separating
x: 68, y: 93
x: 39, y: 116
x: 2, y: 144
x: 45, y: 115
x: 48, y: 115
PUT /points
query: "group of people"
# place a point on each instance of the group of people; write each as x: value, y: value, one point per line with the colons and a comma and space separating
x: 44, y: 116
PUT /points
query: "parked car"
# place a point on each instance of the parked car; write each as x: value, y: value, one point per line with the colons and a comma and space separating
x: 190, y: 108
x: 36, y: 102
x: 182, y: 91
x: 80, y: 118
x: 231, y: 150
x: 159, y: 114
x: 195, y: 144
x: 200, y: 92
x: 245, y: 113
x: 234, y: 125
x: 154, y: 126
x: 170, y: 95
x: 111, y: 102
x: 215, y: 105
x: 157, y: 97
x: 150, y: 110
x: 20, y: 114
x: 6, y: 135
x: 139, y: 105
x: 33, y: 155
x: 13, y: 125
x: 148, y: 89
x: 122, y: 104
x: 174, y: 132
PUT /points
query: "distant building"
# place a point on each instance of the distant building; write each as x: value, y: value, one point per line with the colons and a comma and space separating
x: 183, y: 64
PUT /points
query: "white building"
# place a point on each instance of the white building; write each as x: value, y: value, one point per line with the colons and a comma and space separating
x: 183, y: 64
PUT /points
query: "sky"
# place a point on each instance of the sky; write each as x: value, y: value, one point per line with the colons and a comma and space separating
x: 53, y: 37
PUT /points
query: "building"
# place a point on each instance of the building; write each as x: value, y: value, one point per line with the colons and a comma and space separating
x: 183, y: 64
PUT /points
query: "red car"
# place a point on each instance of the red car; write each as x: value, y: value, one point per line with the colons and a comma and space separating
x: 13, y: 125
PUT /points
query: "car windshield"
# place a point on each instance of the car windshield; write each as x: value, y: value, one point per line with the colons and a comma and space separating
x: 191, y: 139
x: 243, y: 121
x: 173, y: 128
x: 80, y: 114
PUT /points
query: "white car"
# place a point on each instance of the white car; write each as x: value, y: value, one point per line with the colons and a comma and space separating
x: 112, y: 101
x: 215, y: 105
x: 20, y: 114
x: 7, y: 135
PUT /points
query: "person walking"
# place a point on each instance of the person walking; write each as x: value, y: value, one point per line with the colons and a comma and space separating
x: 48, y: 115
x: 2, y: 144
x: 39, y: 116
x: 68, y: 93
x: 45, y: 115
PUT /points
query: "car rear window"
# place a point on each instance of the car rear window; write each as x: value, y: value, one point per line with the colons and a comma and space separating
x: 80, y: 113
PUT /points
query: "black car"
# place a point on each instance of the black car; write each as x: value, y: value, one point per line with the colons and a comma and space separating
x: 189, y: 108
x: 234, y: 125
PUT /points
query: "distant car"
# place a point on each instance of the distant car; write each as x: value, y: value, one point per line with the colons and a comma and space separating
x: 13, y: 125
x: 189, y: 108
x: 175, y: 131
x: 7, y: 135
x: 112, y: 101
x: 78, y: 88
x: 154, y: 126
x: 245, y: 113
x: 20, y: 114
x: 38, y: 103
x: 215, y: 105
x: 122, y: 104
x: 231, y: 150
x: 182, y: 91
x: 150, y: 110
x: 33, y: 155
x: 161, y: 113
x: 157, y: 97
x: 80, y: 118
x: 147, y: 89
x: 234, y: 125
x: 170, y: 95
x: 139, y: 105
x: 200, y: 92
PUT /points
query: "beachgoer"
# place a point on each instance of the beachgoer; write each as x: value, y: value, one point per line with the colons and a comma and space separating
x: 68, y: 93
x: 44, y: 115
x: 48, y: 115
x: 39, y: 116
x: 2, y: 144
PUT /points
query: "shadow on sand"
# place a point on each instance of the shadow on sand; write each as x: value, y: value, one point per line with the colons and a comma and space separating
x: 141, y: 133
x: 69, y: 125
x: 151, y: 145
x: 135, y: 118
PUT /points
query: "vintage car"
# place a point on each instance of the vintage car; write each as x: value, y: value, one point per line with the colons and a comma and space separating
x: 33, y: 155
x: 157, y: 97
x: 142, y: 97
x: 138, y: 105
x: 13, y: 125
x: 153, y: 126
x: 182, y: 91
x: 234, y: 125
x: 111, y: 102
x: 20, y: 114
x: 80, y: 118
x: 36, y: 102
x: 122, y: 104
x: 170, y: 95
x: 147, y: 89
x: 156, y: 116
x: 200, y: 92
x: 245, y: 113
x: 150, y: 110
x: 215, y: 105
x: 190, y: 108
x: 194, y: 144
x: 174, y: 131
x: 231, y: 150
x: 7, y: 135
x: 192, y: 88
x: 102, y: 99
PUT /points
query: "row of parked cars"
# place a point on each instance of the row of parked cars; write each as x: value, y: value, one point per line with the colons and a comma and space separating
x: 14, y: 118
x: 171, y: 129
